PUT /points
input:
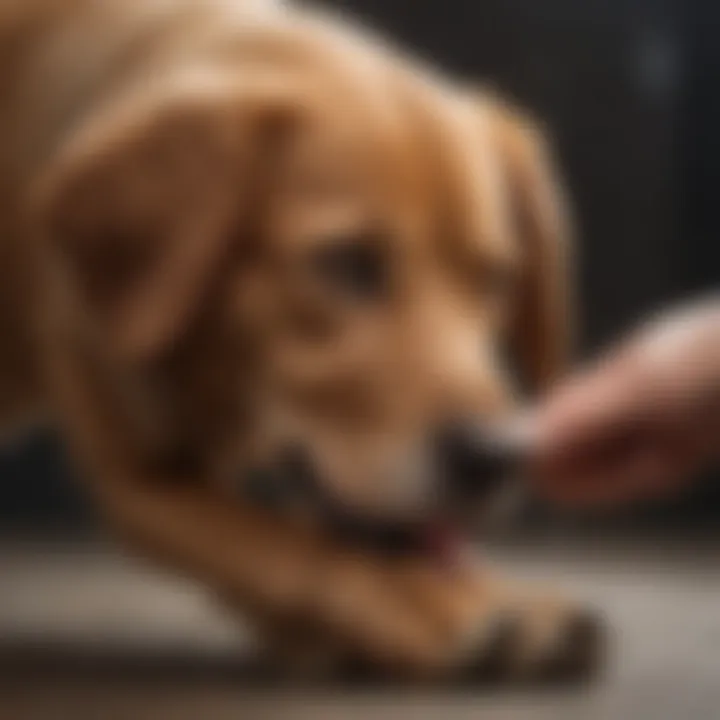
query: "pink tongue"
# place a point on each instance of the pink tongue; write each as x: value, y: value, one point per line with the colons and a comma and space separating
x: 444, y: 542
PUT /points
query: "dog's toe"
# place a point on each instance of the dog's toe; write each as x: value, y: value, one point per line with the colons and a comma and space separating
x: 580, y: 650
x: 492, y: 660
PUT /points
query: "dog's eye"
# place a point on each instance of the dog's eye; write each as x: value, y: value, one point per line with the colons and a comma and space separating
x: 355, y: 266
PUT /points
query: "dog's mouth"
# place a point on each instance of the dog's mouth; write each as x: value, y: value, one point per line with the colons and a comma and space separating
x: 276, y: 491
x: 291, y: 485
x: 441, y: 540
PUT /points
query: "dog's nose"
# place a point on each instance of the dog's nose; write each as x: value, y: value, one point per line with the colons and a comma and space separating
x: 474, y: 459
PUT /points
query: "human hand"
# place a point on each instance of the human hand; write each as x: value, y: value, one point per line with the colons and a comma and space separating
x: 640, y: 421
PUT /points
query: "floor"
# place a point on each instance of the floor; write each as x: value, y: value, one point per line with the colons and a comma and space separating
x: 143, y: 646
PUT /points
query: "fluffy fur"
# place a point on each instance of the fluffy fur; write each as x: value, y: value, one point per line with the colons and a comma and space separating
x: 168, y: 167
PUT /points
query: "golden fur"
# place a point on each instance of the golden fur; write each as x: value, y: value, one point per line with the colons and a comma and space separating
x: 167, y: 168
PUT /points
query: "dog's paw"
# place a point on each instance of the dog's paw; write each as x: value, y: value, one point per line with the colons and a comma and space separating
x: 535, y: 643
x: 420, y: 623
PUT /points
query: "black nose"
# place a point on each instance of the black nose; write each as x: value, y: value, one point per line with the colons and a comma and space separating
x: 474, y: 459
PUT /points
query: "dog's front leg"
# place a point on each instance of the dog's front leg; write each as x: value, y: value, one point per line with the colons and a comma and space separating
x: 402, y: 617
x: 284, y: 573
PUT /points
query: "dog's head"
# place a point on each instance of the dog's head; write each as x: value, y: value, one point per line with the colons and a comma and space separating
x: 314, y: 256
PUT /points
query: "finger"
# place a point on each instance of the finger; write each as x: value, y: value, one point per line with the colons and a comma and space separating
x: 586, y: 415
x: 645, y: 475
x: 596, y: 462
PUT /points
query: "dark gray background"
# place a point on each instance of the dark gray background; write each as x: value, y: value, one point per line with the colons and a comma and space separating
x: 629, y: 91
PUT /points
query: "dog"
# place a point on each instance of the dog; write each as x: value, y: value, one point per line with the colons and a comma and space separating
x: 252, y: 241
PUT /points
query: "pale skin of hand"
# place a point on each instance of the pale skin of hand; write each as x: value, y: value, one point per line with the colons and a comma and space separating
x: 639, y: 422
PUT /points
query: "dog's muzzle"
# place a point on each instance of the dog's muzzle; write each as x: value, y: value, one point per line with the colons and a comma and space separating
x: 472, y: 464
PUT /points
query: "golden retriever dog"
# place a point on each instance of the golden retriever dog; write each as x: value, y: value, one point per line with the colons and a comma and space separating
x: 272, y: 278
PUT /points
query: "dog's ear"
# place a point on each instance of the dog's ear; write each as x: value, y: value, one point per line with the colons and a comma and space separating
x: 542, y: 326
x: 143, y: 205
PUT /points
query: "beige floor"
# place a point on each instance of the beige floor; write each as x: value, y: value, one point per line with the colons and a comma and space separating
x: 141, y: 646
